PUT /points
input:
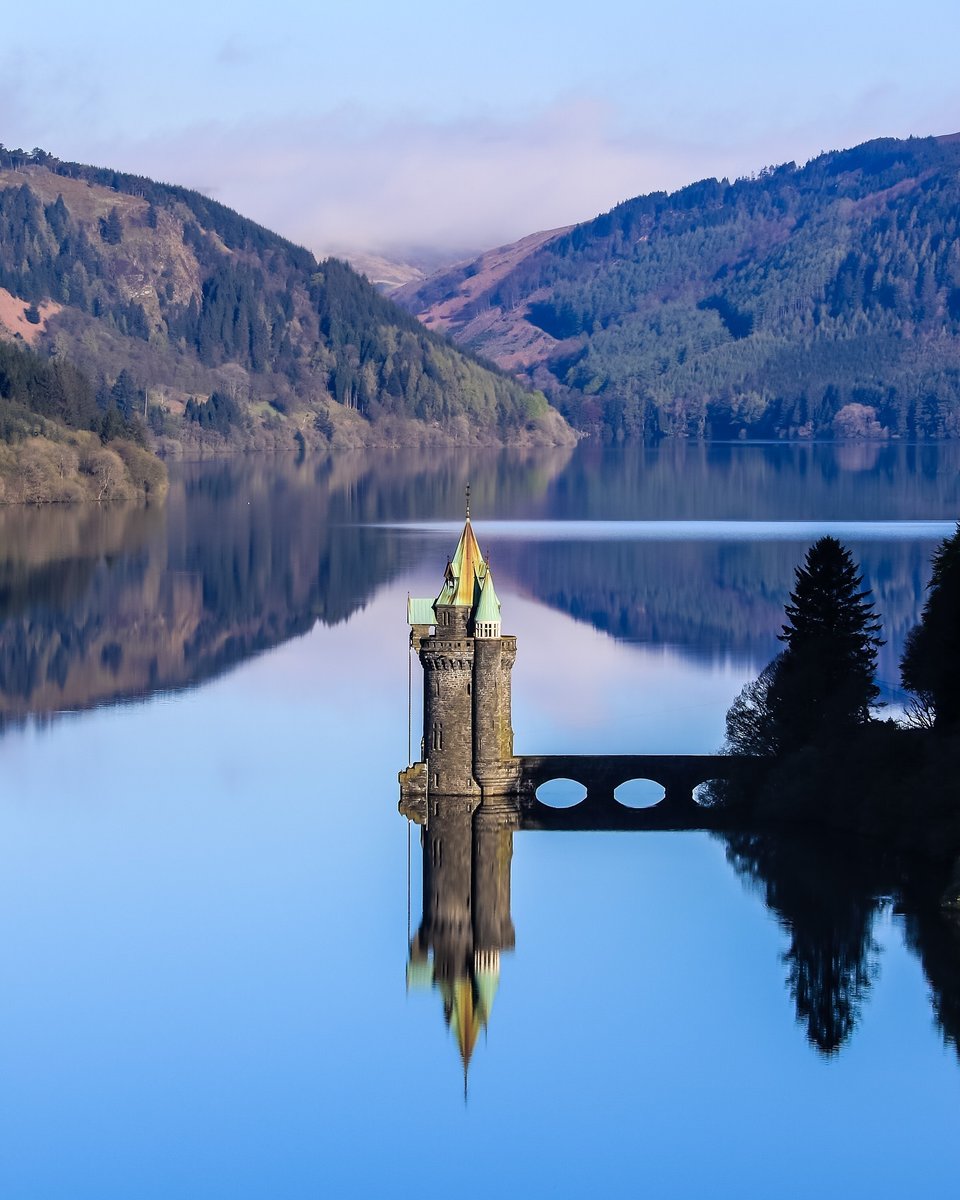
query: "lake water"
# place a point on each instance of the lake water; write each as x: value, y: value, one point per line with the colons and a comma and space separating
x: 208, y: 898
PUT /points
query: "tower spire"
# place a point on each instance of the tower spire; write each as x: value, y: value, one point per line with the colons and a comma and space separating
x: 467, y: 494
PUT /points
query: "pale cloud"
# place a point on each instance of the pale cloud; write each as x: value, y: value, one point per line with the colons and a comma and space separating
x: 354, y: 180
x: 349, y: 180
x: 233, y: 52
x: 238, y: 51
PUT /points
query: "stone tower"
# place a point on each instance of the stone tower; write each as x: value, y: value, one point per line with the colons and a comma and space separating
x: 467, y: 727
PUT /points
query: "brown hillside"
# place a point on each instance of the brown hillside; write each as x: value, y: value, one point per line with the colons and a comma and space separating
x: 451, y: 302
x: 13, y: 319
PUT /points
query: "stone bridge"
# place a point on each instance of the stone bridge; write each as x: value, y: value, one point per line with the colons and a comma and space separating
x: 602, y: 774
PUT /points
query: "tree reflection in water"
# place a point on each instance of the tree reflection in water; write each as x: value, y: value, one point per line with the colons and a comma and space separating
x: 825, y: 900
x: 825, y: 895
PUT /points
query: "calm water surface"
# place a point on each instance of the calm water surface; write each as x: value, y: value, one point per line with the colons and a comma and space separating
x: 205, y: 906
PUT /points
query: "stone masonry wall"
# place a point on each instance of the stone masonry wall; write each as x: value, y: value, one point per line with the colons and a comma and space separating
x: 448, y: 714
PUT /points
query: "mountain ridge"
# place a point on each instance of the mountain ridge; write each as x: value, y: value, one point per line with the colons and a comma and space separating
x: 811, y: 301
x: 219, y: 333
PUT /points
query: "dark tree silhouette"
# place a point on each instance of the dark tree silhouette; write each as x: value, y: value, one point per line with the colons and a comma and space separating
x: 126, y: 396
x: 934, y: 936
x: 822, y: 685
x: 111, y: 227
x: 823, y: 896
x: 749, y: 721
x: 930, y: 667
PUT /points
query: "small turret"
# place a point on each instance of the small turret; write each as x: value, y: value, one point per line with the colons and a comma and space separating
x: 486, y: 621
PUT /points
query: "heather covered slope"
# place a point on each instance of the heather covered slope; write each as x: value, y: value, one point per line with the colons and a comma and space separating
x: 814, y: 301
x: 223, y: 332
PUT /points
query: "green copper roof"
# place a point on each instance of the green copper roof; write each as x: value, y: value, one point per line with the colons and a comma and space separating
x: 488, y: 610
x: 420, y: 612
x: 465, y: 572
x: 419, y: 974
x: 465, y: 1020
x: 446, y: 593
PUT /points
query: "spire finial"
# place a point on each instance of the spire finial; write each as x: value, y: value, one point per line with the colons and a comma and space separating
x: 467, y: 494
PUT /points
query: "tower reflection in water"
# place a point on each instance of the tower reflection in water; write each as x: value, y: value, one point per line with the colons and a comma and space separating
x: 466, y: 923
x: 469, y: 793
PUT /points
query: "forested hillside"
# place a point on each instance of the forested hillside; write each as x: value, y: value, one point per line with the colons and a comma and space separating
x: 813, y: 301
x: 57, y: 443
x: 210, y: 328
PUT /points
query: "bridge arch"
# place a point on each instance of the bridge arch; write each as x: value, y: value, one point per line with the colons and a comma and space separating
x: 640, y: 792
x: 705, y: 794
x: 561, y: 792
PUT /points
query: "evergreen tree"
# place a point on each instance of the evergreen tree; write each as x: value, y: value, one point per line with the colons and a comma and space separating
x: 111, y: 228
x: 126, y: 396
x: 930, y: 666
x: 824, y: 684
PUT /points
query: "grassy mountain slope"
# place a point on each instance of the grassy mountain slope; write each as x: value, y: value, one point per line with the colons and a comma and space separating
x: 813, y: 301
x: 217, y: 330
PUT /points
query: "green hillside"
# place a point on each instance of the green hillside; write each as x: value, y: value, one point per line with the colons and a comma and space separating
x: 810, y: 301
x: 213, y: 330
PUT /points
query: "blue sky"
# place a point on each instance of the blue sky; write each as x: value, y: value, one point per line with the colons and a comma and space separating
x: 384, y: 126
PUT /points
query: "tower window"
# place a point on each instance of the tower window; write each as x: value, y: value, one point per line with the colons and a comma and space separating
x: 438, y: 736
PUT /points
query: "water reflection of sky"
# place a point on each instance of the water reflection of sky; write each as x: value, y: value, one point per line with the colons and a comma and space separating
x: 203, y: 943
x: 203, y: 920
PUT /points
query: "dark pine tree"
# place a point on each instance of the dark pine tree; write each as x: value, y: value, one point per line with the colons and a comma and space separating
x: 824, y: 682
x: 111, y: 228
x: 126, y: 396
x: 930, y: 667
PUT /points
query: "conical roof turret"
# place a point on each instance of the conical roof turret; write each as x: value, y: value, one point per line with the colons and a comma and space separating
x: 466, y: 571
x: 488, y: 609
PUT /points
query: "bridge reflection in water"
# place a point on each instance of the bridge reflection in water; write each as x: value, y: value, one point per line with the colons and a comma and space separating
x: 467, y: 853
x: 825, y: 894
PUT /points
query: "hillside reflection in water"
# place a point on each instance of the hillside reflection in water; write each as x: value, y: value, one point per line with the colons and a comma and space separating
x: 203, y: 894
x: 100, y: 605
